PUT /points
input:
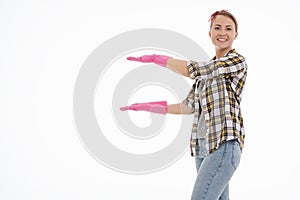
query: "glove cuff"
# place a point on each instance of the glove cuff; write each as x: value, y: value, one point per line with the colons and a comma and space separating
x: 160, y: 107
x: 161, y: 60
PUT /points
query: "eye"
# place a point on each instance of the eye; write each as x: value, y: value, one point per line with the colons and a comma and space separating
x: 228, y: 29
x: 217, y: 28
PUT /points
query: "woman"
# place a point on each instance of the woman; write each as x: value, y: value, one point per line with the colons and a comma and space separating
x: 217, y: 137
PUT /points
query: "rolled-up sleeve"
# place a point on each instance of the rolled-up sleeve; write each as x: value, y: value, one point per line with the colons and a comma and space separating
x: 227, y: 66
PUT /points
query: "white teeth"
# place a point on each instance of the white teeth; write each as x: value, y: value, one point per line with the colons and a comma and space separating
x: 221, y: 39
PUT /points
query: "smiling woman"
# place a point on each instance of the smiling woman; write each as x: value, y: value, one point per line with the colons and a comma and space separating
x: 217, y: 137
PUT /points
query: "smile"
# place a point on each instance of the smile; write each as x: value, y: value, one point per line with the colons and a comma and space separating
x: 222, y: 39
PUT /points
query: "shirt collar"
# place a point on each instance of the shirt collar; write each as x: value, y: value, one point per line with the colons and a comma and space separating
x: 229, y: 52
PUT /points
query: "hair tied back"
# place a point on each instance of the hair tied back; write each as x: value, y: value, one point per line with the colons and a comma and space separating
x: 212, y: 17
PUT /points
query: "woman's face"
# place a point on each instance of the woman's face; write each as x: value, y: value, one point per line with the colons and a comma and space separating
x: 222, y: 32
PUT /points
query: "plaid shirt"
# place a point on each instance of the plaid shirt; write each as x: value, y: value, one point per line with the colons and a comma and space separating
x: 224, y: 80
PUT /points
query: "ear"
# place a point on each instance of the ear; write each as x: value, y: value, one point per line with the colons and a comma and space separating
x: 236, y: 34
x: 209, y: 33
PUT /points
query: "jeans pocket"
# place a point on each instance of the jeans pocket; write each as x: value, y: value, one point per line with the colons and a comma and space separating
x: 236, y: 154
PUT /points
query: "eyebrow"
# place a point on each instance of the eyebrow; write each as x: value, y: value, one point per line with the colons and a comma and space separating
x: 228, y: 25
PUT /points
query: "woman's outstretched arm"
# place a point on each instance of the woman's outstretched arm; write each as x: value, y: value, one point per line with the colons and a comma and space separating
x: 179, y: 66
x: 159, y: 107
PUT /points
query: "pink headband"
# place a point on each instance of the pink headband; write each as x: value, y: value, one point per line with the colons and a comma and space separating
x: 214, y: 15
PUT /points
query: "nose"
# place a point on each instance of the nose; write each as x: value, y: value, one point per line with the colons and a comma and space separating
x: 222, y: 33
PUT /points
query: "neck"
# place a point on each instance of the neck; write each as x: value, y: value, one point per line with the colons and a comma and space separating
x: 221, y: 52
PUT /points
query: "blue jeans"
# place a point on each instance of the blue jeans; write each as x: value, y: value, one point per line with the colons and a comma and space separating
x: 215, y: 171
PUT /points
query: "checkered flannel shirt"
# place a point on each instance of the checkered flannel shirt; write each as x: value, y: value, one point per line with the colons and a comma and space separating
x: 224, y: 80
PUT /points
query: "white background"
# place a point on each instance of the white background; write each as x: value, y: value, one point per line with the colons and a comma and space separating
x: 43, y: 45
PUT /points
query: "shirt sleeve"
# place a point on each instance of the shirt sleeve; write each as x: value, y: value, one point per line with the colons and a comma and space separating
x: 227, y: 66
x: 190, y: 100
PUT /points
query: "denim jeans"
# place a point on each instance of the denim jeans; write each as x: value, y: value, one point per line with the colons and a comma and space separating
x: 215, y: 171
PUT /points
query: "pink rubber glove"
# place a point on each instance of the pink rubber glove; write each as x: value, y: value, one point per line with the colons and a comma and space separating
x: 157, y: 59
x: 160, y: 107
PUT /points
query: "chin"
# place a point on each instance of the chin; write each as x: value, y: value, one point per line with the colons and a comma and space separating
x: 223, y: 47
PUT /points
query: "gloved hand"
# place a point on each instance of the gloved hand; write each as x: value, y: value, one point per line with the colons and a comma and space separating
x: 160, y: 107
x: 157, y: 59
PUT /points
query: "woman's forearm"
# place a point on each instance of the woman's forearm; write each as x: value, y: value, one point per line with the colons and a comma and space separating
x: 179, y: 66
x: 179, y: 108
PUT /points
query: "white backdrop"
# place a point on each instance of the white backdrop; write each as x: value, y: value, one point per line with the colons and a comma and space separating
x: 43, y: 45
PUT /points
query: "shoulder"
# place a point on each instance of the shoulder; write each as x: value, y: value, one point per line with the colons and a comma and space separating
x: 234, y: 57
x: 234, y: 54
